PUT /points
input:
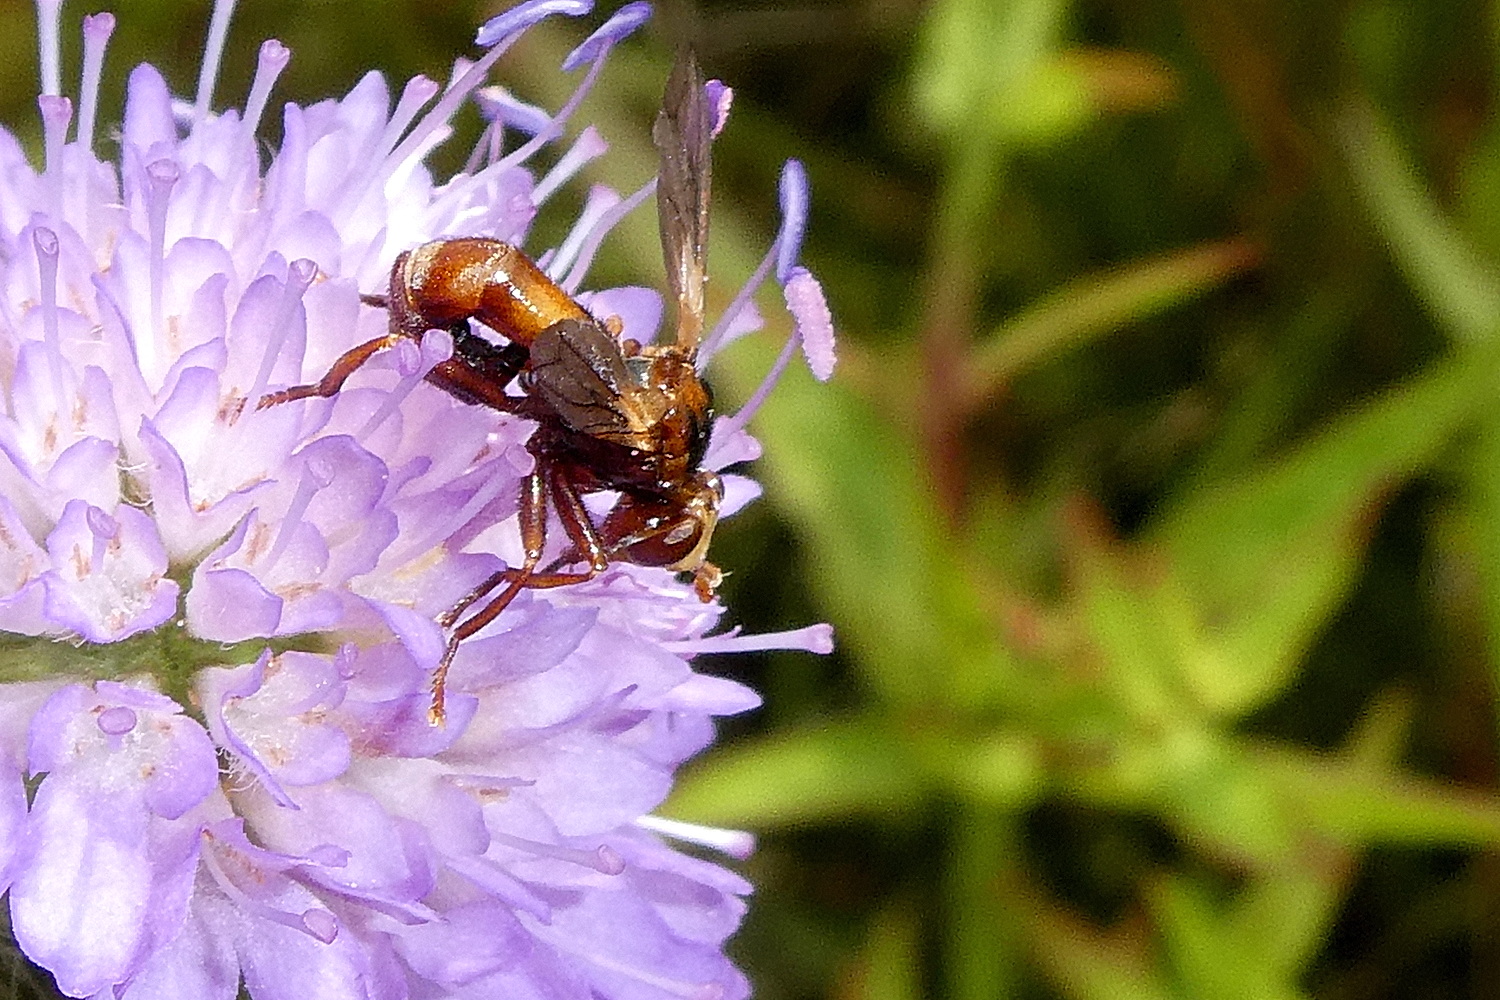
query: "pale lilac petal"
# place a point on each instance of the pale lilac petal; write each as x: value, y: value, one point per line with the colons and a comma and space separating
x: 639, y: 310
x: 12, y: 821
x: 108, y: 588
x: 739, y: 493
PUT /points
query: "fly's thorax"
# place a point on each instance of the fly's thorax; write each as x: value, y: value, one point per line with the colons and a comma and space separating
x: 688, y: 405
x: 634, y: 422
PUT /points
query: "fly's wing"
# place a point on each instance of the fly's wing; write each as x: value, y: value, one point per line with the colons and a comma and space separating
x: 683, y: 131
x: 577, y: 369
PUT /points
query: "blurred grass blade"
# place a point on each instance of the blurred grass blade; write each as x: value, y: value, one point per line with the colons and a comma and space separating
x: 1283, y: 914
x: 972, y: 52
x: 1084, y: 964
x: 1212, y: 958
x: 884, y: 567
x: 1447, y: 273
x: 1266, y: 557
x: 890, y: 963
x: 1482, y: 499
x: 804, y: 776
x: 1098, y: 304
x: 1357, y: 804
x: 980, y: 929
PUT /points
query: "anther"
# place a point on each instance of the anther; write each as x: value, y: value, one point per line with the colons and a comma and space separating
x: 413, y: 362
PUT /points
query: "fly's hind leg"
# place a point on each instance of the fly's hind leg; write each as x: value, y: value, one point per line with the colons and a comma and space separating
x: 533, y: 517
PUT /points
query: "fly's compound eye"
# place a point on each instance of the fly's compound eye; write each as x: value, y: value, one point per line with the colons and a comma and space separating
x: 669, y: 548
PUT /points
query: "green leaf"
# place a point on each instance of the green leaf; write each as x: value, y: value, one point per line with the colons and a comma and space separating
x: 890, y: 576
x: 1454, y: 281
x: 1096, y: 304
x: 1086, y: 965
x: 890, y: 962
x: 1212, y: 959
x: 811, y: 775
x: 1266, y: 557
x: 971, y: 53
x: 980, y: 925
x: 1358, y: 804
x: 1481, y: 496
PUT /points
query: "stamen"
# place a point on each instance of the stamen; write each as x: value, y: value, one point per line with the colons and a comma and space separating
x: 48, y: 45
x: 603, y: 859
x: 501, y: 884
x: 434, y: 530
x: 599, y: 230
x: 619, y: 25
x: 161, y: 176
x: 414, y: 362
x: 318, y: 474
x: 484, y: 150
x: 600, y: 200
x: 735, y: 843
x: 96, y: 31
x: 47, y: 251
x: 589, y: 145
x: 499, y: 105
x: 503, y: 27
x: 56, y: 113
x: 299, y: 275
x: 763, y: 391
x: 500, y: 33
x: 793, y: 217
x: 213, y: 55
x: 783, y: 251
x: 268, y: 66
x: 715, y: 340
x: 414, y: 97
x: 593, y: 50
x: 117, y: 721
x: 812, y: 639
x: 105, y: 530
x: 318, y: 924
x: 554, y: 126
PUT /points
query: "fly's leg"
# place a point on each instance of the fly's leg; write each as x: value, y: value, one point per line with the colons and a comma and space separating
x: 348, y: 363
x: 533, y: 518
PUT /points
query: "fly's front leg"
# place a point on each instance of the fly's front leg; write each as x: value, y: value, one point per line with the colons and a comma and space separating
x: 533, y: 518
x: 348, y: 363
x: 532, y: 514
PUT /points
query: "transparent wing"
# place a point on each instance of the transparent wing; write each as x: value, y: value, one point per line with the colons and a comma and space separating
x: 683, y: 132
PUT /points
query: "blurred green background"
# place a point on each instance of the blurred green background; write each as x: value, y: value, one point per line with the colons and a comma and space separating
x: 1156, y: 501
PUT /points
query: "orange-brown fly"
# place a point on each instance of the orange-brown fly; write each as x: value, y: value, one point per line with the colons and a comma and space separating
x: 611, y: 415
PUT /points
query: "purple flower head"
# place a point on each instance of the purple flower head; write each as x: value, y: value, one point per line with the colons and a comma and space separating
x: 217, y: 770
